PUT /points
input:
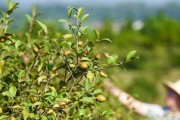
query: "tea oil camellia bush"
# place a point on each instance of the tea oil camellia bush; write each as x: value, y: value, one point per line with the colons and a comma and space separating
x: 48, y: 75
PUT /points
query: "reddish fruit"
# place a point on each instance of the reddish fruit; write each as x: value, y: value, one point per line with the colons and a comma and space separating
x: 26, y: 60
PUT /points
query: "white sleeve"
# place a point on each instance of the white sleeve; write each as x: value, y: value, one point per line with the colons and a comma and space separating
x: 153, y: 110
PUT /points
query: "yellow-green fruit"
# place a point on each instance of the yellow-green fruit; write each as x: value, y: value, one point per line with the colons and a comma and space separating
x: 34, y: 99
x: 12, y: 118
x: 68, y: 36
x: 80, y: 43
x: 2, y: 40
x: 41, y: 111
x: 100, y: 98
x: 62, y: 104
x: 22, y: 53
x: 67, y: 52
x: 9, y: 36
x: 106, y: 55
x: 50, y: 111
x: 1, y: 111
x: 35, y: 49
x: 83, y: 65
x: 97, y: 56
x: 102, y: 74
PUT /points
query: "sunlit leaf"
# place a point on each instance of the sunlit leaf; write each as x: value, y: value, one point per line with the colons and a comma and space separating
x: 13, y: 91
x: 112, y: 60
x: 131, y: 55
x: 80, y: 11
x: 84, y: 17
x: 43, y: 26
x: 97, y: 33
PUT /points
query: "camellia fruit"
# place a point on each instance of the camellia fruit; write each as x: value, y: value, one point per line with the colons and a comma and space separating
x: 102, y: 74
x: 1, y: 111
x: 67, y: 52
x: 100, y: 98
x: 35, y: 49
x: 26, y: 60
x: 80, y: 43
x: 83, y: 65
x: 50, y: 111
x: 106, y: 55
x: 34, y: 99
x: 62, y: 104
x: 67, y: 36
x: 97, y: 56
x: 12, y: 118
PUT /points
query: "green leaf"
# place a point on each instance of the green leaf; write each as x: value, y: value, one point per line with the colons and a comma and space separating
x: 1, y: 66
x: 10, y: 21
x: 7, y: 93
x: 13, y: 90
x: 54, y: 92
x: 29, y: 18
x: 11, y: 5
x: 88, y: 100
x: 70, y: 9
x: 131, y: 55
x: 97, y: 92
x: 80, y: 11
x: 63, y: 21
x: 84, y: 29
x: 87, y: 84
x: 97, y: 33
x: 34, y: 10
x: 4, y: 117
x: 3, y: 13
x: 105, y: 39
x: 25, y: 114
x: 17, y: 44
x: 76, y: 16
x: 44, y: 118
x: 84, y: 17
x: 82, y: 112
x: 43, y: 26
x: 90, y: 75
x: 112, y: 60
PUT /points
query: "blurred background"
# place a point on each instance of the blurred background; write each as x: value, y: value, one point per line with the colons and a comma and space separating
x: 152, y: 27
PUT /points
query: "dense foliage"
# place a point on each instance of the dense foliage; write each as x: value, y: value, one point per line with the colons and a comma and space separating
x: 50, y: 75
